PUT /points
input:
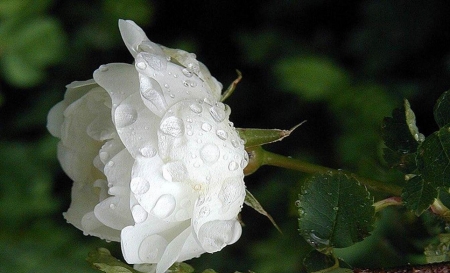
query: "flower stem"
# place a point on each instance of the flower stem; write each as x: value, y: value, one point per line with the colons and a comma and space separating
x: 272, y: 159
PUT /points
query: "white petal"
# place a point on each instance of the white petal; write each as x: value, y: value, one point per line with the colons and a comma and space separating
x: 171, y: 201
x: 55, y: 119
x: 118, y: 173
x: 92, y: 226
x: 114, y: 212
x: 118, y: 79
x: 173, y: 251
x: 136, y: 246
x: 171, y: 81
x: 136, y: 40
x: 191, y: 249
x: 215, y: 235
x: 77, y: 89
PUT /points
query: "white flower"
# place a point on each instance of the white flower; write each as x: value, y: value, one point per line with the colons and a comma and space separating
x: 156, y: 164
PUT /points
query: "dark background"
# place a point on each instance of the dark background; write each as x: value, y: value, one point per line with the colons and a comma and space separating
x: 340, y: 65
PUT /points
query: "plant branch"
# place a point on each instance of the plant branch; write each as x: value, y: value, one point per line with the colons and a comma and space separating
x: 268, y: 158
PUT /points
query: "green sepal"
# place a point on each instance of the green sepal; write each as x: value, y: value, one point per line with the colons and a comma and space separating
x: 252, y: 202
x: 256, y: 137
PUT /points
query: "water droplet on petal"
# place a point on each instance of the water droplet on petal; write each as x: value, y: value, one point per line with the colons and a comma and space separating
x: 210, y: 153
x: 207, y: 101
x: 186, y: 72
x: 206, y: 127
x: 104, y: 156
x: 233, y: 166
x: 172, y: 126
x: 164, y: 206
x: 155, y: 61
x: 222, y: 134
x: 204, y: 212
x: 125, y: 115
x: 196, y: 108
x: 139, y: 185
x: 139, y: 214
x: 141, y: 65
x: 217, y: 113
x: 112, y: 206
x: 110, y: 163
x: 152, y: 248
x: 148, y: 151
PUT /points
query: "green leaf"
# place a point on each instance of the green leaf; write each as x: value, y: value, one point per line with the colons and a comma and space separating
x: 317, y: 261
x: 311, y: 76
x: 335, y: 211
x: 442, y: 109
x: 404, y: 162
x: 104, y: 261
x: 396, y: 133
x: 433, y: 158
x: 251, y: 201
x: 418, y: 194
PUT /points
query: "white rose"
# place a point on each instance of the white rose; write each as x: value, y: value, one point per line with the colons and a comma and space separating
x: 156, y: 163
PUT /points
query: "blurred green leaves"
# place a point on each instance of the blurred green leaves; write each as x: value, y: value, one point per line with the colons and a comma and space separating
x: 29, y: 42
x: 312, y: 77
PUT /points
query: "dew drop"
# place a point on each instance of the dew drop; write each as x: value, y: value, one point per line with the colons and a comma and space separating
x: 152, y: 248
x: 233, y: 166
x: 172, y: 126
x: 155, y: 61
x: 190, y: 133
x: 185, y: 83
x: 196, y: 108
x: 235, y: 143
x: 186, y: 72
x: 206, y: 127
x: 208, y: 101
x: 217, y: 113
x: 210, y: 153
x: 104, y: 156
x: 200, y: 200
x: 166, y: 86
x: 222, y: 134
x: 164, y: 206
x: 204, y: 212
x: 148, y: 151
x: 139, y: 214
x: 110, y: 163
x: 112, y: 206
x: 336, y: 208
x: 125, y: 115
x: 141, y: 65
x: 139, y: 185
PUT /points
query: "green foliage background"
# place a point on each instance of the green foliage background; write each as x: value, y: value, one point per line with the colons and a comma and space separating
x: 341, y: 65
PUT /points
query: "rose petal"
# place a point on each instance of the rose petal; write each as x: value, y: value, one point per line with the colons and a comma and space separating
x: 173, y: 251
x: 92, y: 226
x: 171, y: 80
x: 167, y: 200
x: 136, y: 40
x: 135, y: 242
x: 215, y: 235
x: 119, y: 80
x: 114, y: 212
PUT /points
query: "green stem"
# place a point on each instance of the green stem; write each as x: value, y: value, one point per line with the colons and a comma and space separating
x: 298, y: 165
